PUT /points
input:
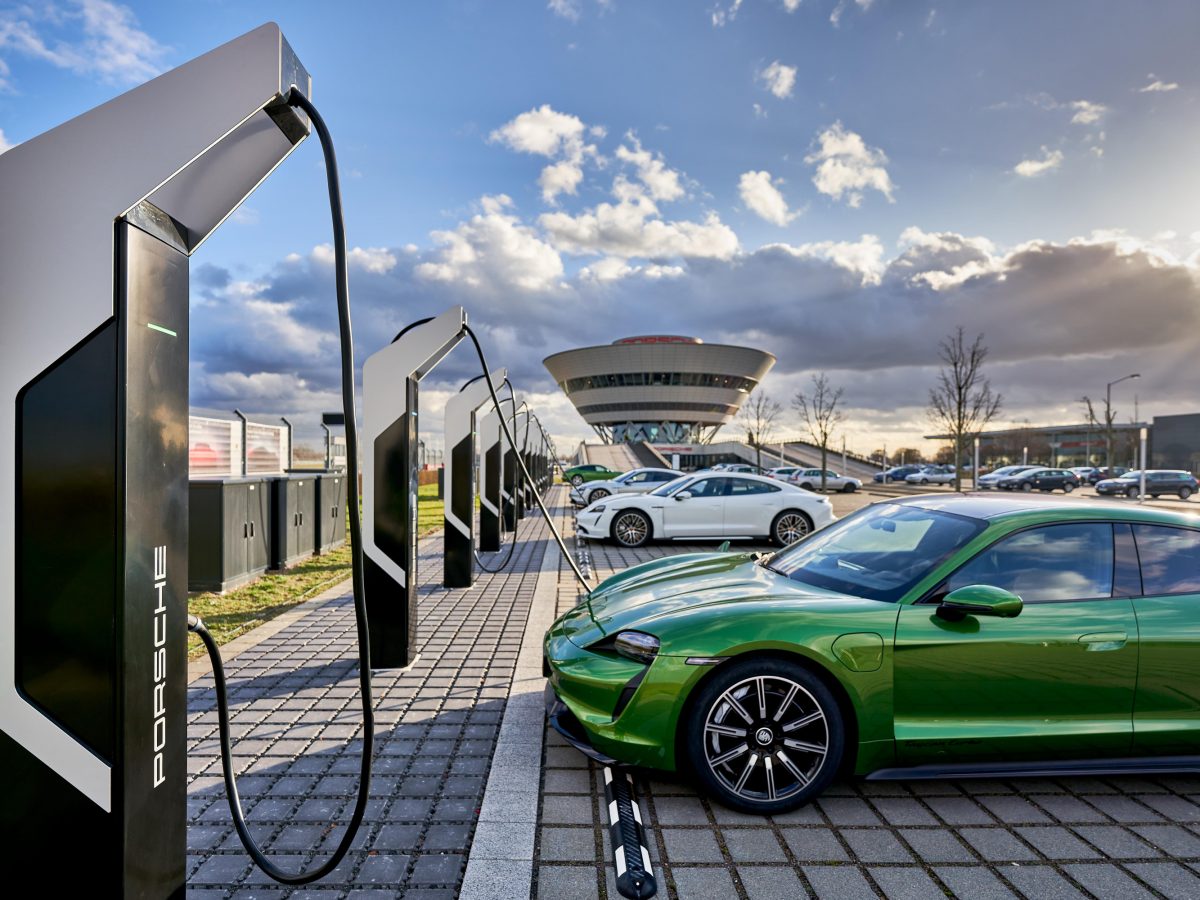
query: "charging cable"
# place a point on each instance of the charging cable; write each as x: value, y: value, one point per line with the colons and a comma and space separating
x: 296, y: 98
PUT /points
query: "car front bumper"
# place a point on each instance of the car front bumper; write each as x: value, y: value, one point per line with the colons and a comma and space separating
x: 594, y: 526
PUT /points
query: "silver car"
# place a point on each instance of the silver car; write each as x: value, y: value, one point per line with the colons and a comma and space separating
x: 991, y: 480
x: 635, y: 481
x: 810, y: 480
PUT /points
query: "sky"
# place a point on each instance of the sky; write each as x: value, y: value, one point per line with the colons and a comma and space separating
x: 840, y: 182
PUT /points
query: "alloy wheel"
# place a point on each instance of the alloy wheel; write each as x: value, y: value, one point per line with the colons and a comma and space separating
x: 598, y: 494
x: 790, y: 527
x: 765, y: 738
x: 577, y: 480
x: 631, y: 529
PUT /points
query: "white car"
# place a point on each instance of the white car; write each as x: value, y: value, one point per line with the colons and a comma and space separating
x: 708, y: 505
x: 635, y: 481
x: 810, y: 480
x: 783, y: 473
x: 932, y: 475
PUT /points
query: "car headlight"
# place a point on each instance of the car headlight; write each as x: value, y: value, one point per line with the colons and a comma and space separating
x: 637, y: 646
x: 597, y: 509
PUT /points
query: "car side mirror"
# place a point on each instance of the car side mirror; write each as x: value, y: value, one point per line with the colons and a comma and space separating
x: 684, y: 495
x: 979, y: 600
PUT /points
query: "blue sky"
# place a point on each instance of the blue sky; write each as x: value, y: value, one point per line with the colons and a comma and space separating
x: 839, y: 181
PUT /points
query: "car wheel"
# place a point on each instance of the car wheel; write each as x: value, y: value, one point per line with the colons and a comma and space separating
x: 807, y: 486
x: 924, y: 481
x: 631, y: 528
x: 848, y: 489
x: 1068, y: 487
x: 789, y: 526
x: 1132, y: 493
x: 764, y: 736
x: 597, y: 494
x: 1026, y: 486
x: 1184, y: 493
x: 577, y: 480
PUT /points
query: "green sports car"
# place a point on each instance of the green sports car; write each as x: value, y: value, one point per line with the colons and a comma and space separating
x: 926, y: 637
x: 577, y: 475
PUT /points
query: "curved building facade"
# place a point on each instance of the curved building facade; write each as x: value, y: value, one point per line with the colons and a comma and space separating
x: 658, y: 388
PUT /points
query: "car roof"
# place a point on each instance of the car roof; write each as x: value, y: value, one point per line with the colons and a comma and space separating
x: 993, y: 508
x: 750, y: 476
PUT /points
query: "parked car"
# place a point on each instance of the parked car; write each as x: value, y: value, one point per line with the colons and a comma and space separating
x: 1158, y: 482
x: 1103, y: 473
x: 782, y: 472
x: 744, y: 468
x: 898, y: 473
x: 708, y: 505
x: 1040, y: 479
x: 992, y: 479
x: 932, y: 475
x: 635, y: 481
x: 577, y: 475
x: 765, y: 676
x: 1084, y: 473
x: 810, y: 480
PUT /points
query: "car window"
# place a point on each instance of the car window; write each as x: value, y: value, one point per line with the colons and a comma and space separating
x: 879, y: 552
x: 634, y: 479
x: 1170, y: 559
x: 708, y: 487
x: 1054, y: 562
x: 672, y: 486
x: 659, y: 477
x: 740, y: 487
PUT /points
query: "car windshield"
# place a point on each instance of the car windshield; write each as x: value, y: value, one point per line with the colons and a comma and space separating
x: 1131, y: 475
x: 878, y: 553
x: 621, y: 479
x: 672, y: 486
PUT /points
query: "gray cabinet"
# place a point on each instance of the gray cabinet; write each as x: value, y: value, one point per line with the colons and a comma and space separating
x: 229, y: 541
x: 331, y: 511
x: 294, y: 531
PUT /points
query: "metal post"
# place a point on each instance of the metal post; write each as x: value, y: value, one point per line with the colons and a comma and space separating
x: 975, y: 470
x: 844, y: 466
x: 1024, y: 456
x: 1142, y: 490
x: 291, y: 454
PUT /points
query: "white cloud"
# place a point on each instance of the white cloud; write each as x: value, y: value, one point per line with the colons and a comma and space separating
x: 847, y: 166
x: 1157, y: 85
x: 759, y: 111
x: 376, y: 260
x: 568, y: 9
x: 791, y: 5
x: 1032, y: 168
x: 631, y: 228
x: 762, y: 197
x: 863, y: 257
x: 661, y: 182
x: 835, y: 17
x: 105, y: 41
x: 494, y: 250
x: 612, y: 269
x: 545, y: 132
x: 1086, y: 112
x: 5, y: 144
x: 779, y: 79
x: 722, y: 17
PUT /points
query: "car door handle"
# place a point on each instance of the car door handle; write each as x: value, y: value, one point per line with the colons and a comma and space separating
x: 1104, y: 640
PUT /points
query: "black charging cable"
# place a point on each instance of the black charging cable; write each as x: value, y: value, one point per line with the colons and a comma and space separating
x: 297, y: 99
x: 487, y: 374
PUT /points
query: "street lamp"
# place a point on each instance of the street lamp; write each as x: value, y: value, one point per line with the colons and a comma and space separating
x: 1108, y: 418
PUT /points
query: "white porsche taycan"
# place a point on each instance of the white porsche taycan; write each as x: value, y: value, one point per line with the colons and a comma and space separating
x: 637, y: 481
x: 708, y: 505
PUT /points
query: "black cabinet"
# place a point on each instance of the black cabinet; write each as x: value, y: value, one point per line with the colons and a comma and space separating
x: 294, y: 532
x: 229, y: 542
x: 331, y: 511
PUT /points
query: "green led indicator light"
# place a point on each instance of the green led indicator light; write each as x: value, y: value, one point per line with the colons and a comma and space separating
x: 154, y: 327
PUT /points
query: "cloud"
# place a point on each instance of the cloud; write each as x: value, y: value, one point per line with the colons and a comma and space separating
x: 377, y: 260
x: 846, y: 166
x: 1087, y: 113
x: 572, y: 10
x: 778, y: 79
x: 722, y: 17
x: 5, y: 144
x: 92, y: 38
x: 661, y: 182
x: 760, y: 194
x: 1032, y: 168
x: 545, y: 132
x: 1157, y: 85
x: 835, y: 17
x: 493, y: 251
x: 631, y: 227
x: 759, y: 111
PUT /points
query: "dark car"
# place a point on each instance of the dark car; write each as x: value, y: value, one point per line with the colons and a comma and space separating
x: 1158, y: 482
x: 1040, y: 480
x: 899, y: 473
x: 1104, y: 472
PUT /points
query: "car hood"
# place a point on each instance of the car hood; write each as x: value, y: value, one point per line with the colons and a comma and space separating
x: 645, y: 593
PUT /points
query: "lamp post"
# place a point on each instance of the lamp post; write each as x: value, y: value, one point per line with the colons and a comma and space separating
x: 1024, y: 456
x: 1142, y: 488
x: 975, y: 470
x: 1108, y: 417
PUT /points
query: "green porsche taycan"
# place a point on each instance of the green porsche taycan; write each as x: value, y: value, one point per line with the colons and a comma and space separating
x: 927, y: 637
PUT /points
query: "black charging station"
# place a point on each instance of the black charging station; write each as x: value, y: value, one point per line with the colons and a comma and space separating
x: 492, y: 493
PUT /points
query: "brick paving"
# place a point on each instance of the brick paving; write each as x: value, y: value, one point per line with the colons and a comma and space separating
x: 296, y: 726
x: 1038, y: 839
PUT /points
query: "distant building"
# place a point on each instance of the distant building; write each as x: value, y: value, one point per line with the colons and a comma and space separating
x: 659, y: 388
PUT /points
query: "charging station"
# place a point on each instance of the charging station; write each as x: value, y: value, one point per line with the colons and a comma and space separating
x: 520, y: 494
x: 458, y: 554
x: 391, y: 378
x: 493, y: 492
x: 99, y: 218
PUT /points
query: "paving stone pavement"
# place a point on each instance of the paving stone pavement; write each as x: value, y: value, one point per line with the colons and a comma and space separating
x: 296, y: 727
x: 1039, y: 839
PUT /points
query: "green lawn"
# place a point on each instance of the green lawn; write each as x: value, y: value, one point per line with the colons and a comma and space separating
x: 230, y: 615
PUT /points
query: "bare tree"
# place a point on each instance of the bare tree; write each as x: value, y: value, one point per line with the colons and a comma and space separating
x: 821, y: 414
x: 759, y: 417
x: 962, y: 403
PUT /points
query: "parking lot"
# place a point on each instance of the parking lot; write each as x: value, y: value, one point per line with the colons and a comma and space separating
x: 1034, y: 838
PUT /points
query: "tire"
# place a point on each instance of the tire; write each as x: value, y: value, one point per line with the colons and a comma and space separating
x: 1068, y: 487
x: 807, y: 486
x: 1026, y: 486
x: 848, y: 489
x: 1132, y: 493
x: 1184, y: 493
x: 924, y: 481
x: 577, y: 480
x: 631, y: 528
x: 597, y: 494
x: 790, y: 526
x: 804, y: 759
